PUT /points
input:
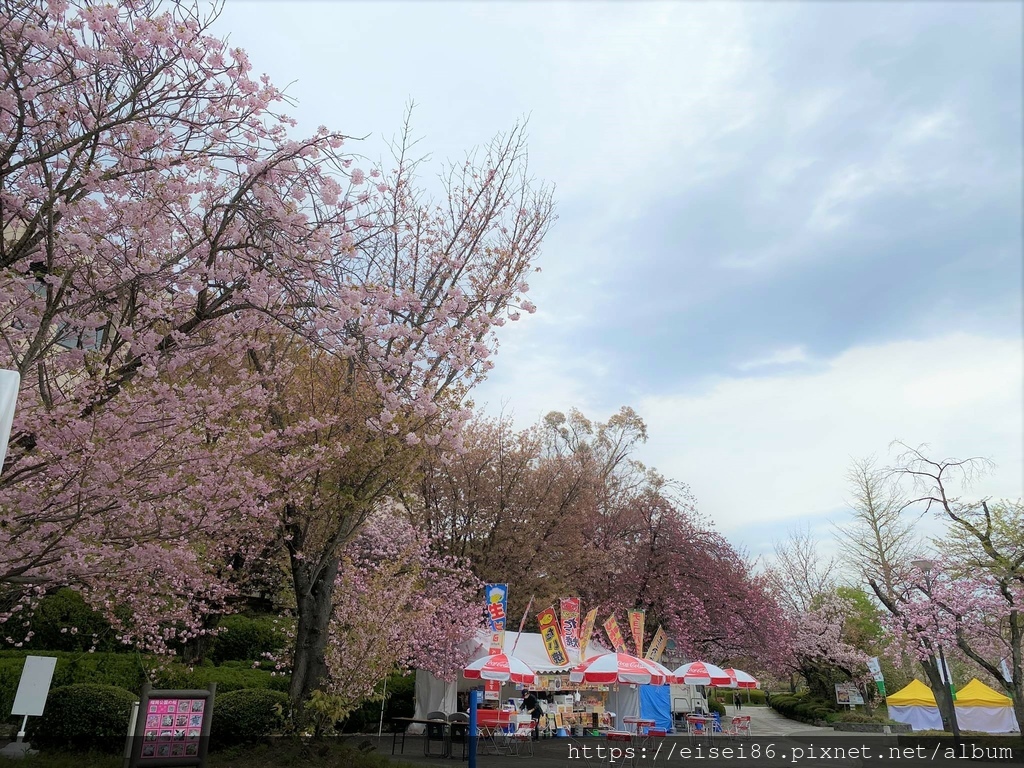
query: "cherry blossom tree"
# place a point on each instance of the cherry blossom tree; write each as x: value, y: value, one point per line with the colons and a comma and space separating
x: 799, y: 571
x: 399, y: 606
x: 820, y: 646
x: 878, y: 545
x: 172, y: 261
x: 968, y: 601
x: 518, y: 515
x: 979, y: 590
x: 563, y: 509
x: 690, y: 579
x: 144, y: 176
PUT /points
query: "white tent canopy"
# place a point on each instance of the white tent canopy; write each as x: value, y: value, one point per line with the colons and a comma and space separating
x: 978, y: 708
x: 435, y: 695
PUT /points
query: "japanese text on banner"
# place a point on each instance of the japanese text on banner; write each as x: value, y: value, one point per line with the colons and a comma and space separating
x: 497, y: 607
x: 552, y: 638
x: 611, y: 626
x: 570, y: 611
x: 636, y: 627
x: 588, y: 628
x: 658, y: 645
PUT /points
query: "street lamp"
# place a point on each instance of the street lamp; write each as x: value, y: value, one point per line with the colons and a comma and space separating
x: 926, y: 567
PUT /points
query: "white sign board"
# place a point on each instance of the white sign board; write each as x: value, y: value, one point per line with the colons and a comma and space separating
x: 34, y: 685
x: 848, y: 694
x: 10, y: 381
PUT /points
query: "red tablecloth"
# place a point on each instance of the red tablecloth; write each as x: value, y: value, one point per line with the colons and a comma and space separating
x: 492, y: 718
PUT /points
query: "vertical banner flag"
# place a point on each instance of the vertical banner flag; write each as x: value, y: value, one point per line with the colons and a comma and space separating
x: 611, y: 626
x: 570, y: 620
x: 552, y: 637
x: 522, y: 623
x: 1006, y: 671
x: 10, y: 382
x: 875, y: 668
x: 588, y: 628
x: 497, y: 605
x: 658, y: 645
x: 492, y: 690
x: 637, y: 618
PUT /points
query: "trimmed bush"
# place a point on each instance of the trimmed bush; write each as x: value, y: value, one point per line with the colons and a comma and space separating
x: 756, y: 697
x: 125, y: 670
x: 55, y: 616
x: 247, y: 638
x: 715, y: 705
x: 82, y: 718
x: 247, y: 715
x: 121, y: 670
x: 399, y: 703
x: 228, y: 679
x: 859, y: 717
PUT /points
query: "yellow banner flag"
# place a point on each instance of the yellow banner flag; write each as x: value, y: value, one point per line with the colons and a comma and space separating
x: 552, y: 638
x: 658, y: 645
x: 611, y: 626
x: 637, y: 617
x: 586, y: 631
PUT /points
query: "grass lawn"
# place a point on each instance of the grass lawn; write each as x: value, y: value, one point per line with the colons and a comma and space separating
x: 280, y: 754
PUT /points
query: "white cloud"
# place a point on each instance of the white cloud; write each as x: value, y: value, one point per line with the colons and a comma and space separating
x: 765, y: 449
x: 786, y: 356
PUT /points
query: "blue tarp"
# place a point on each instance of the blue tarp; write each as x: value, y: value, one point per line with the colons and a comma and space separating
x: 655, y: 705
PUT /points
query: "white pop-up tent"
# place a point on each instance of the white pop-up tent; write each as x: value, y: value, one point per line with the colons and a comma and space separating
x: 915, y: 705
x: 980, y: 708
x: 433, y: 694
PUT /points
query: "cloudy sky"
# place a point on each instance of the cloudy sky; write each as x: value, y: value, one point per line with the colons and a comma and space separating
x: 788, y: 234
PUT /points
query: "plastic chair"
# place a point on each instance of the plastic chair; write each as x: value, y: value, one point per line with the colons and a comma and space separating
x: 697, y: 727
x: 458, y: 730
x: 436, y: 732
x: 521, y: 741
x: 742, y: 725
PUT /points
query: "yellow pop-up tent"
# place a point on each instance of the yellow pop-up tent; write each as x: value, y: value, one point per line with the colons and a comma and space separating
x: 980, y: 708
x: 915, y: 705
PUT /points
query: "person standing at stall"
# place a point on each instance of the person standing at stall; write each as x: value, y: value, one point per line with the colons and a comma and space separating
x: 531, y: 704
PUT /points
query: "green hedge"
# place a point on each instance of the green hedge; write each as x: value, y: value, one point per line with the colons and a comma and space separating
x: 56, y: 615
x: 247, y: 715
x: 802, y: 707
x: 82, y: 718
x: 399, y: 703
x: 125, y: 670
x: 753, y: 697
x: 714, y: 705
x: 247, y: 638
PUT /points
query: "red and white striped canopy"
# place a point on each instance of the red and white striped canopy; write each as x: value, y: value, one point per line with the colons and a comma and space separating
x: 662, y: 670
x: 507, y: 669
x: 622, y: 668
x: 702, y: 673
x: 741, y: 679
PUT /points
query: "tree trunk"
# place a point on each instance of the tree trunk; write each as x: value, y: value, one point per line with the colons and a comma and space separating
x: 941, y: 691
x: 314, y: 593
x: 198, y: 647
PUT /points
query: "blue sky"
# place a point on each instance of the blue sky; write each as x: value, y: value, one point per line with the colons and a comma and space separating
x: 788, y: 233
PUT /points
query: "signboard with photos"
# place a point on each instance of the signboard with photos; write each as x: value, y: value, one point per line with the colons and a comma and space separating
x: 172, y: 728
x: 848, y: 694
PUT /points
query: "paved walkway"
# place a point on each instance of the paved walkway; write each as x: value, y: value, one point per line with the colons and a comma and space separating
x: 549, y: 753
x: 765, y: 721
